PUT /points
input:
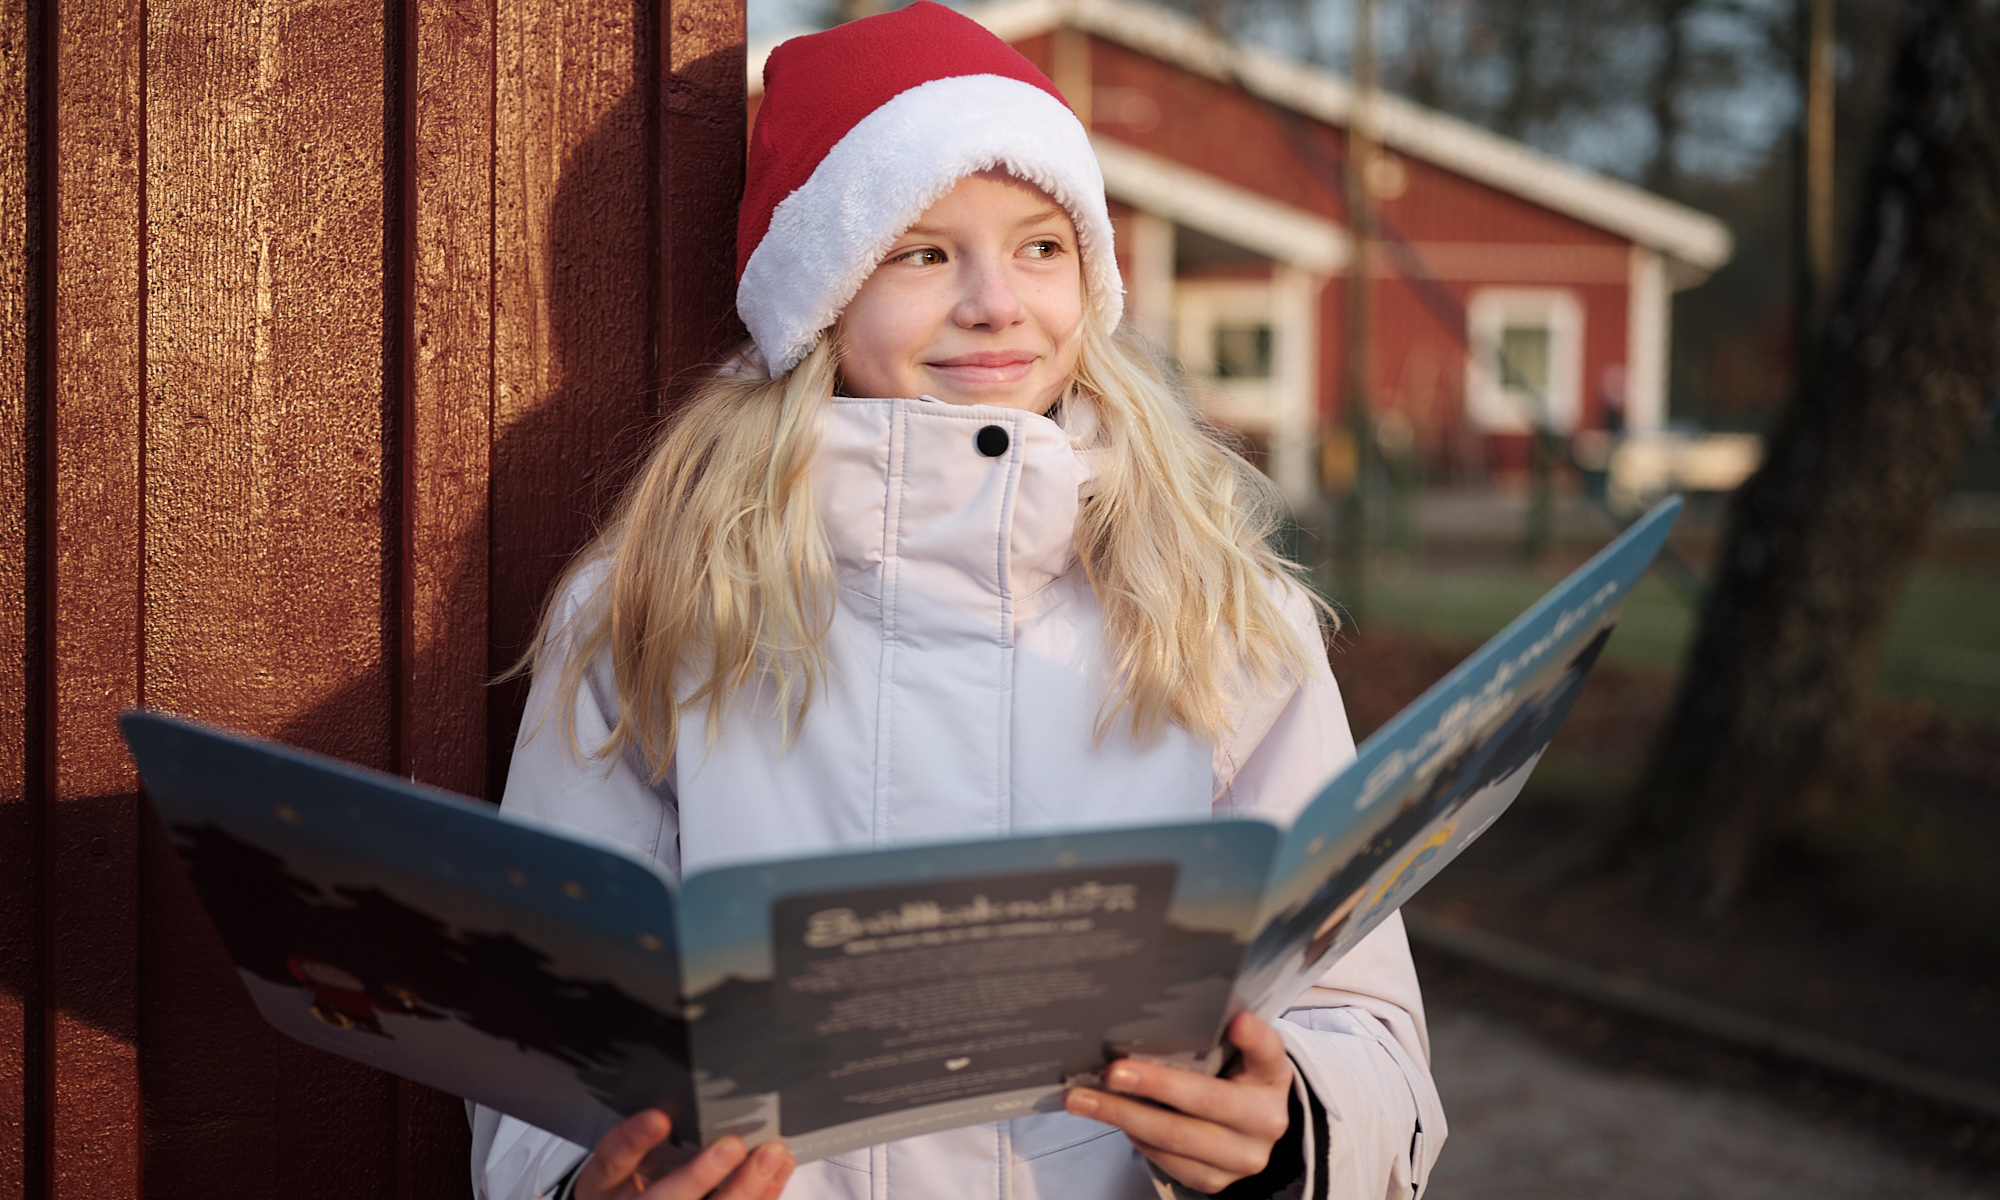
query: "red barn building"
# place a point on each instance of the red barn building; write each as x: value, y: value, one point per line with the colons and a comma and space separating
x: 1508, y: 288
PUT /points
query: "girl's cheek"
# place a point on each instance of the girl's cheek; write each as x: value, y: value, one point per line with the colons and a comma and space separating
x: 1069, y: 344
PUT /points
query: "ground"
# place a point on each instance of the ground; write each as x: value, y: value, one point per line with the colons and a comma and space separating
x: 1532, y: 1121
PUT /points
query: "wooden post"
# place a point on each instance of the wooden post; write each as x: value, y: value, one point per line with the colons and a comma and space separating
x: 1813, y: 180
x: 1353, y: 548
x: 1821, y: 51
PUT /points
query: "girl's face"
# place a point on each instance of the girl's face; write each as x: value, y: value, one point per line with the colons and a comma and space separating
x: 979, y: 302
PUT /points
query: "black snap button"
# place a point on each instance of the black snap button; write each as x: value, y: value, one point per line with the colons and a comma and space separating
x: 992, y: 441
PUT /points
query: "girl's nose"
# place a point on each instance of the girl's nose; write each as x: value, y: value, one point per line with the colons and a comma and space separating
x: 989, y: 299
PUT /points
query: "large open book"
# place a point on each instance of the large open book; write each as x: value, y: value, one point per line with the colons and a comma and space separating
x: 848, y: 999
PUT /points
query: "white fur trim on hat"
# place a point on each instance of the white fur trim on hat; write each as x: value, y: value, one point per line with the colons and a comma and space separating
x: 827, y: 238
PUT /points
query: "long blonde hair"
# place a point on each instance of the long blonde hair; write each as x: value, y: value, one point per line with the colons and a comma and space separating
x: 718, y: 574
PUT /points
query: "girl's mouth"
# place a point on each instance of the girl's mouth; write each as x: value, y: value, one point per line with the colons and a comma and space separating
x: 988, y: 366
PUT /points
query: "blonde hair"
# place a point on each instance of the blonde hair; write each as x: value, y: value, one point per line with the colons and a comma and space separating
x: 718, y: 574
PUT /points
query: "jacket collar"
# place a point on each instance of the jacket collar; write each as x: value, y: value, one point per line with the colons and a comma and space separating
x: 908, y: 480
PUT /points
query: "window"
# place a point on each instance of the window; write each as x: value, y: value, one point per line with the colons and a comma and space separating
x: 1250, y: 348
x: 1527, y: 360
x: 1524, y: 358
x: 1242, y: 351
x: 1225, y: 334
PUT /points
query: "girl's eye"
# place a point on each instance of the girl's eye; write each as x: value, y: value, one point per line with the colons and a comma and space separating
x: 1043, y: 248
x: 929, y: 256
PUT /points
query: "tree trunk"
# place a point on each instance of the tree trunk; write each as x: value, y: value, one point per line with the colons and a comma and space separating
x: 1766, y: 730
x: 1663, y: 94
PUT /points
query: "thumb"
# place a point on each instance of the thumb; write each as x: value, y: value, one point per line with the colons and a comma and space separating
x: 1264, y: 1060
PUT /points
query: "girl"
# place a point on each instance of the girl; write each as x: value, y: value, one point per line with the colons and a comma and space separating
x: 939, y: 554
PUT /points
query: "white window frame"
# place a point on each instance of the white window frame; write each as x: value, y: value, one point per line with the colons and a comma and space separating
x: 1282, y: 408
x: 1201, y: 308
x: 1492, y: 408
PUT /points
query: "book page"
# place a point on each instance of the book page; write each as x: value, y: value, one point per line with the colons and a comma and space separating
x: 1433, y: 778
x: 845, y: 1001
x: 426, y: 935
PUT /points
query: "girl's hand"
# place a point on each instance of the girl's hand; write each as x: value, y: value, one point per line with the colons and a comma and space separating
x: 725, y: 1169
x: 1212, y: 1131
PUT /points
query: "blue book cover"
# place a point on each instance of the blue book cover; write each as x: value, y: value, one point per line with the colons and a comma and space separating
x: 841, y: 1000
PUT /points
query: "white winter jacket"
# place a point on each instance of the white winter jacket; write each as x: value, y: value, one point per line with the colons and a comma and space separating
x: 967, y: 665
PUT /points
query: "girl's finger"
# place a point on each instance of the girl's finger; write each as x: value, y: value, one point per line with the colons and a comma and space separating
x: 1175, y: 1134
x: 1251, y: 1102
x: 620, y: 1151
x: 1191, y: 1173
x: 1265, y: 1063
x: 761, y: 1177
x: 1201, y: 1096
x: 699, y: 1175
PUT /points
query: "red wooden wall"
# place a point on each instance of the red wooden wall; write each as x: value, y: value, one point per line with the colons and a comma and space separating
x: 324, y: 331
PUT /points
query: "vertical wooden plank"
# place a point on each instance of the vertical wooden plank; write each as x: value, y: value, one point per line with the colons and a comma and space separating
x: 574, y: 294
x: 267, y: 588
x: 701, y: 182
x: 446, y: 440
x: 95, y: 365
x: 267, y: 368
x: 20, y: 885
x: 448, y: 426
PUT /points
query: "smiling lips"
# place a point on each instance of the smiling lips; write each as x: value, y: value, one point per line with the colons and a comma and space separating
x: 987, y: 366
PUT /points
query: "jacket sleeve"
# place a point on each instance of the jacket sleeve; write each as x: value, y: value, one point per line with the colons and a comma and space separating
x: 513, y: 1160
x: 1357, y: 1038
x: 609, y: 798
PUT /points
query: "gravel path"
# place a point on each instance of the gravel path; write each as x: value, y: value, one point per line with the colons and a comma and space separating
x: 1529, y: 1123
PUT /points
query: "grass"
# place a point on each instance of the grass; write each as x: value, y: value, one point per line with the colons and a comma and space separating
x: 1943, y: 648
x: 1944, y: 645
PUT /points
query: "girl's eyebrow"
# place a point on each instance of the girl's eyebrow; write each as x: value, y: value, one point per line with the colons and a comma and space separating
x: 1051, y: 213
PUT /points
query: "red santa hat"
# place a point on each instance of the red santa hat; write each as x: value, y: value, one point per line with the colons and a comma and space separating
x: 863, y: 128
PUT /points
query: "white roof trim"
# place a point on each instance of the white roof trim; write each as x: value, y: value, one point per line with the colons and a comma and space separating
x: 1201, y: 201
x: 1693, y: 238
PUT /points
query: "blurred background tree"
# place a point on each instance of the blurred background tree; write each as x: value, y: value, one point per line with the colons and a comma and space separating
x: 1767, y: 734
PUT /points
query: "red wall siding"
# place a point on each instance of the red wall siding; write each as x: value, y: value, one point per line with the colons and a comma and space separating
x: 327, y: 330
x: 1443, y: 207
